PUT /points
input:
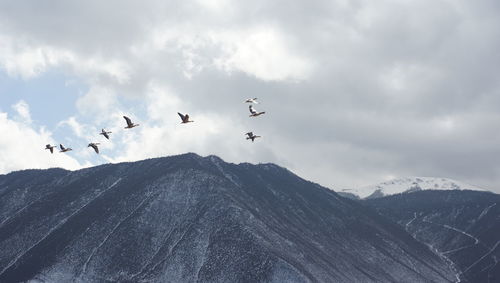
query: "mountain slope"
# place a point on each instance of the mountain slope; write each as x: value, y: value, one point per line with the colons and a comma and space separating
x: 462, y: 226
x: 410, y: 184
x: 187, y: 218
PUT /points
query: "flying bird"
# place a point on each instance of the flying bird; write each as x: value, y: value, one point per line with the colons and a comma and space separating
x: 251, y: 136
x: 105, y: 133
x: 130, y: 125
x: 254, y: 113
x: 64, y: 149
x: 252, y: 100
x: 184, y: 118
x: 94, y: 146
x: 50, y: 147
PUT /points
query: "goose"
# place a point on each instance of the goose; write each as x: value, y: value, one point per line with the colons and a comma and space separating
x: 130, y: 125
x: 251, y: 136
x: 254, y: 113
x: 105, y: 133
x: 64, y: 149
x: 252, y: 100
x: 94, y: 146
x: 50, y: 147
x: 184, y: 118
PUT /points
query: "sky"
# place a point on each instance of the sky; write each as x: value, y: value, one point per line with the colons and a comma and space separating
x: 355, y: 92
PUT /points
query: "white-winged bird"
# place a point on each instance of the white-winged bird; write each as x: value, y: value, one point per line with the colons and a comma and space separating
x: 252, y: 100
x: 254, y: 113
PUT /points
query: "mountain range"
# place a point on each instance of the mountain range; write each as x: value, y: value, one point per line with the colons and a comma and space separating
x: 189, y: 218
x: 404, y: 185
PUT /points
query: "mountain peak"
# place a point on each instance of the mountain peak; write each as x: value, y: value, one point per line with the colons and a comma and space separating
x: 192, y: 218
x: 410, y: 184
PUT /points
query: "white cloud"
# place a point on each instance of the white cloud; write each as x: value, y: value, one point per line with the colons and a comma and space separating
x: 72, y: 123
x: 262, y: 52
x: 97, y: 101
x: 359, y: 89
x: 22, y: 147
x: 30, y: 59
x: 23, y: 110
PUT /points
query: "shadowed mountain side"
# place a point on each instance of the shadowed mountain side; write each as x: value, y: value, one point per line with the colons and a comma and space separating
x: 187, y: 218
x: 461, y: 226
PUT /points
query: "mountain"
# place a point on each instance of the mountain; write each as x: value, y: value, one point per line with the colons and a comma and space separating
x: 403, y: 185
x: 463, y: 227
x: 188, y: 218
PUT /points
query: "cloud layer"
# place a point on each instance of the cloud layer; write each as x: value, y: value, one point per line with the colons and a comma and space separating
x: 355, y: 91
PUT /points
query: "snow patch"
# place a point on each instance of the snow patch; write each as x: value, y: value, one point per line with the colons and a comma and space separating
x: 411, y: 184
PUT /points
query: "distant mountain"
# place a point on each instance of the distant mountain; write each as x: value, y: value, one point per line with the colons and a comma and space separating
x: 410, y: 184
x: 461, y: 226
x: 192, y: 219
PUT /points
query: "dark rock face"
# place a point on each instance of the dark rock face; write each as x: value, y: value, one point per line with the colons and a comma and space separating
x: 375, y: 194
x: 348, y: 195
x: 461, y: 226
x: 187, y: 218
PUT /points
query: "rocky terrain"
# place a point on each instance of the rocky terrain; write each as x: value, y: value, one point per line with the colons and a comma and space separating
x: 188, y: 218
x: 462, y: 227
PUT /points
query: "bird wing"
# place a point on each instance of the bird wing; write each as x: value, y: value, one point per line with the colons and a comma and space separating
x: 182, y: 116
x: 249, y: 134
x: 105, y: 135
x: 127, y: 119
x: 94, y: 146
x: 251, y: 109
x: 51, y: 150
x: 61, y: 146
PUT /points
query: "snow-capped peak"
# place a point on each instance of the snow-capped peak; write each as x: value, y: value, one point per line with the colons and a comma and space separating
x: 410, y: 184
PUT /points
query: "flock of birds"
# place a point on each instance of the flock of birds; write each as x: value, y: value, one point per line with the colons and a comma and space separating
x: 184, y: 120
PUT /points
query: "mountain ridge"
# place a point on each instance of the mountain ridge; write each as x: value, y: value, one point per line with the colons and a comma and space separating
x: 192, y: 218
x: 407, y: 185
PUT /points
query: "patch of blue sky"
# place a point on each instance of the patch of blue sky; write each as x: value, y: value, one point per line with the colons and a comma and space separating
x: 51, y: 96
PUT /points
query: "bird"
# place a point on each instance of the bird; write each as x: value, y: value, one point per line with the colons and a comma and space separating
x: 251, y: 136
x: 252, y: 100
x: 254, y: 113
x: 184, y: 118
x: 64, y: 149
x: 130, y: 125
x: 94, y: 146
x: 50, y: 147
x: 105, y: 133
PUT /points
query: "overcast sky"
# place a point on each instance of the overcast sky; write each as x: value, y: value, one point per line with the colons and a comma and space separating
x: 355, y: 92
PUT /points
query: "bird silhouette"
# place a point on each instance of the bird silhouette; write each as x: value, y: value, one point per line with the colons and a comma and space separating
x: 130, y: 125
x: 105, y: 133
x: 94, y: 146
x: 184, y: 118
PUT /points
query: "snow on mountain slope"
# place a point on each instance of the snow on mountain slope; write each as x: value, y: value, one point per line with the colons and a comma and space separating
x: 189, y: 218
x: 410, y: 184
